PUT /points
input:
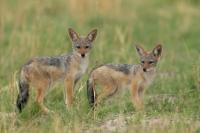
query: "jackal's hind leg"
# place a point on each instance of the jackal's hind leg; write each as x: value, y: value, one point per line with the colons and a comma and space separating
x: 105, y: 92
x: 41, y: 91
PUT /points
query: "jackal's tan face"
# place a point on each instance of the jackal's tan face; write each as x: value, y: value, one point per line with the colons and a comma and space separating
x: 82, y: 45
x: 149, y: 59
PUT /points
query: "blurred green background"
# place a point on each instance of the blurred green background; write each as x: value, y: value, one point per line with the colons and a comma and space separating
x: 39, y: 28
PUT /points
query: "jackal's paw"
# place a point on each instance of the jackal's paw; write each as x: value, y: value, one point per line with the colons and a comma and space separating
x: 46, y: 110
x: 140, y: 107
x: 68, y: 105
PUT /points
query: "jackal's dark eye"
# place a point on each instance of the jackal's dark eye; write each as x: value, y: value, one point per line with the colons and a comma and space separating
x: 86, y: 47
x: 142, y: 62
x: 78, y: 47
x: 151, y: 62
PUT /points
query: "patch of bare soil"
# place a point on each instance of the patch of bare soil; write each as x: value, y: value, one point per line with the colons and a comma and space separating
x: 127, y: 124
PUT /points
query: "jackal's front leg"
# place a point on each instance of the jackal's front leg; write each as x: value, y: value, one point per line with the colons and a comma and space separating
x: 141, y: 94
x: 69, y: 91
x: 136, y: 98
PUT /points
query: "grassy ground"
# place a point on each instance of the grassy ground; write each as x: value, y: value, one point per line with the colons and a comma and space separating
x: 39, y: 28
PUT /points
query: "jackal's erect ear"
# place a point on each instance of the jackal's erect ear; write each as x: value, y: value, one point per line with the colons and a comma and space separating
x: 92, y: 35
x: 157, y: 51
x: 140, y: 50
x: 73, y: 35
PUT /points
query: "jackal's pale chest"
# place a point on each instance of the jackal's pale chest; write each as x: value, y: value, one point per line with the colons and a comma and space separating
x: 149, y: 77
x: 82, y: 67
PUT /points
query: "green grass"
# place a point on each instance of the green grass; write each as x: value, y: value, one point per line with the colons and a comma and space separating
x: 39, y: 28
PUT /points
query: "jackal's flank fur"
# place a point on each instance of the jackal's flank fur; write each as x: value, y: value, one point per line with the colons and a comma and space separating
x: 112, y: 77
x: 42, y: 72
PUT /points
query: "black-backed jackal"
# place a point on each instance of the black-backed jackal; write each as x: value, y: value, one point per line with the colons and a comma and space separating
x: 41, y: 72
x: 112, y: 77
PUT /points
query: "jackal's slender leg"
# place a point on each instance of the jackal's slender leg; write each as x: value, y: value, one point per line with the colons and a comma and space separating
x: 41, y: 91
x: 69, y: 92
x: 40, y: 99
x: 106, y: 91
x: 141, y: 93
x: 136, y: 96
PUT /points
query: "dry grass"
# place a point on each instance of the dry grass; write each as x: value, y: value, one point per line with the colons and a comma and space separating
x: 39, y: 28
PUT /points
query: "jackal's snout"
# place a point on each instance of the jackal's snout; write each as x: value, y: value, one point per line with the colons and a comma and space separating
x: 83, y: 55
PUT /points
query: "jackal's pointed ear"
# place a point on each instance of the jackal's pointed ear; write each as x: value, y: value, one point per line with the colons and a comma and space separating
x: 73, y: 35
x: 157, y: 51
x: 92, y: 35
x: 140, y: 50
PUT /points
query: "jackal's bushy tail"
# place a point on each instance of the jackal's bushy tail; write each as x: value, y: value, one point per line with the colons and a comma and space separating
x: 91, y: 93
x: 23, y: 93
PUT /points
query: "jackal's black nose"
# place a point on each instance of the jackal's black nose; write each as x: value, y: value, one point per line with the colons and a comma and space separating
x: 144, y: 69
x: 82, y: 55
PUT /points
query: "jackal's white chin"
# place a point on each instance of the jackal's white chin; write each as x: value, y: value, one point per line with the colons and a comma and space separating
x: 150, y: 69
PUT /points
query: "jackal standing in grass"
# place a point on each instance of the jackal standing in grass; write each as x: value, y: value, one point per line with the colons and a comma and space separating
x: 112, y: 77
x: 41, y: 72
